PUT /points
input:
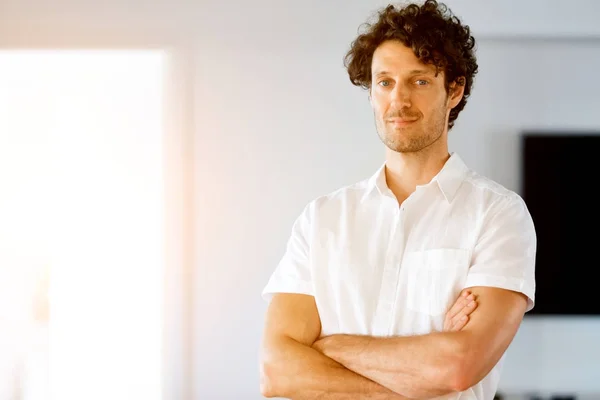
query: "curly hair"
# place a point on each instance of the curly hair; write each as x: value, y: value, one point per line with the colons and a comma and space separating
x: 434, y: 34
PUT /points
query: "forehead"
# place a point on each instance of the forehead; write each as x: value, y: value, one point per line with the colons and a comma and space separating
x: 394, y: 57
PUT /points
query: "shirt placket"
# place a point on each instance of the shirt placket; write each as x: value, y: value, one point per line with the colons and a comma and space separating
x: 391, y: 273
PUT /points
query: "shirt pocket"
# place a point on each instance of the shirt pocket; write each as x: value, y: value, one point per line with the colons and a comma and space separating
x: 434, y: 279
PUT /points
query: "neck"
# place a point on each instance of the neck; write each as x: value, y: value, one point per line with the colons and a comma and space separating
x: 405, y: 171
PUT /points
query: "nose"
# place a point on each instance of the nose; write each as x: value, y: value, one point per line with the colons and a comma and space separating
x: 401, y: 96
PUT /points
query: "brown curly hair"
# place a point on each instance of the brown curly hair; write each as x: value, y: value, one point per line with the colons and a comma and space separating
x: 434, y: 34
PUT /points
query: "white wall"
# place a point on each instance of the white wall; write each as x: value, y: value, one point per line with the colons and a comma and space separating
x: 277, y: 123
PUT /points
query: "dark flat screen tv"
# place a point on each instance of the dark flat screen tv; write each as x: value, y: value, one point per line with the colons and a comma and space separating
x: 560, y: 179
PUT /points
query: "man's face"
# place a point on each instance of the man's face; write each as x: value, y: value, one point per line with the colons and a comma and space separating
x: 410, y: 103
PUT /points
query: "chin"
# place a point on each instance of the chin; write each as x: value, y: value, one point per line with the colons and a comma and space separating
x: 405, y: 146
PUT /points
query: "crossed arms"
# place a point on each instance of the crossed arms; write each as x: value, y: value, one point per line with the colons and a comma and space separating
x: 295, y: 364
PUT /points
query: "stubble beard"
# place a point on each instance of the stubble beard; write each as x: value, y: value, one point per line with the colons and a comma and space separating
x: 412, y: 139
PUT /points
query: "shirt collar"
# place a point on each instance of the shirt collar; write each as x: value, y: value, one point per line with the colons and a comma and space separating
x: 449, y: 179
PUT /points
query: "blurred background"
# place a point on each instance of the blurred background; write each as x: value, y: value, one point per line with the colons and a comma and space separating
x: 154, y: 155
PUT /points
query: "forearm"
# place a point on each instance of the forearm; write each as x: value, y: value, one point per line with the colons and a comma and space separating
x: 295, y: 371
x: 414, y: 366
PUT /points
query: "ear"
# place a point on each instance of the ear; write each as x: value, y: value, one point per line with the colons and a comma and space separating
x: 455, y: 92
x: 370, y: 98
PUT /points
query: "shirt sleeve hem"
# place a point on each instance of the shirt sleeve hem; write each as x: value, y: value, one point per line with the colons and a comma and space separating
x: 297, y: 287
x: 508, y: 283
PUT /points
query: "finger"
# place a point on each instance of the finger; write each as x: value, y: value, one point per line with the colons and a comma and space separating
x: 465, y: 312
x: 467, y: 309
x: 457, y: 306
x: 460, y: 303
x: 455, y: 309
x: 450, y: 323
x: 469, y: 306
x: 459, y: 323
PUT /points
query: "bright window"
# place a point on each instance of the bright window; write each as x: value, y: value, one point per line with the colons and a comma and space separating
x: 81, y: 207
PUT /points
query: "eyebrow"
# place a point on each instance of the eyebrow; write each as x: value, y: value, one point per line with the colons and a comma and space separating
x: 413, y: 72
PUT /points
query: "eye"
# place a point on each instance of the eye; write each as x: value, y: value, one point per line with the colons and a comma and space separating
x: 384, y: 83
x: 422, y: 82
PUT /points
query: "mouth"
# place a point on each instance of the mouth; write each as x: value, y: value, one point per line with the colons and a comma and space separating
x: 399, y: 122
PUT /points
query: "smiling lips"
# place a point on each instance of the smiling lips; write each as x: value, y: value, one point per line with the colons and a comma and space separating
x: 399, y: 122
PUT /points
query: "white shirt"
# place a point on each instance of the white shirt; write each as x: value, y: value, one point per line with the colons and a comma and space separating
x: 378, y: 269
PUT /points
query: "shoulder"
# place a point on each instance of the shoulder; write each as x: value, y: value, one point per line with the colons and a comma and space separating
x: 492, y: 195
x: 337, y: 202
x: 497, y: 205
x: 340, y: 199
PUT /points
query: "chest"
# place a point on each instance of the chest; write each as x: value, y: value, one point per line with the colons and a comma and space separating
x: 391, y: 272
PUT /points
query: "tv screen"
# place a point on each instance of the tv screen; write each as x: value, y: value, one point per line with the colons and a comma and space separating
x: 560, y: 178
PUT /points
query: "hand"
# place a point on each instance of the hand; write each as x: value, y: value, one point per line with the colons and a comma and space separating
x: 458, y: 315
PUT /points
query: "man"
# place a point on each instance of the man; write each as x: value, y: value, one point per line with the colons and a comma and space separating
x: 361, y: 303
